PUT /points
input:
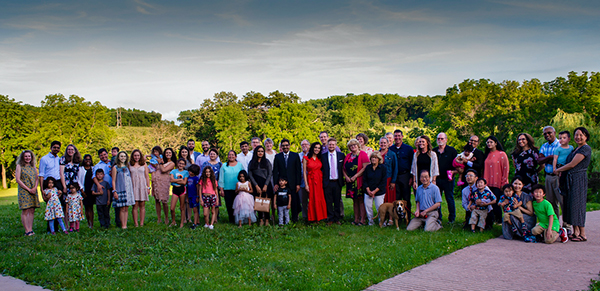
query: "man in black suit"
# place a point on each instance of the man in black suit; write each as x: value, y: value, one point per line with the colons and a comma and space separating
x: 333, y: 181
x: 288, y: 165
x: 478, y: 158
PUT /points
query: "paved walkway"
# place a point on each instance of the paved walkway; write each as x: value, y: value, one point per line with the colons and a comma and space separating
x: 10, y: 283
x: 500, y: 264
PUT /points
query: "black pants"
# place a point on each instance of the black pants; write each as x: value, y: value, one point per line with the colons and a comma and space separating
x: 296, y: 205
x: 103, y: 215
x: 304, y: 197
x: 447, y: 186
x: 333, y: 198
x: 497, y: 210
x: 229, y: 198
x: 403, y: 189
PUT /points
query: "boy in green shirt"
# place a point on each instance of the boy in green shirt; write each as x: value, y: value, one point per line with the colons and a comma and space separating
x: 547, y: 220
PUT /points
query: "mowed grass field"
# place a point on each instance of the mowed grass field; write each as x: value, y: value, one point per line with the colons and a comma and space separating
x: 156, y: 257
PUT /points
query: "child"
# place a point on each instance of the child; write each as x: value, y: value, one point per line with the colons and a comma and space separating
x: 243, y: 205
x: 561, y: 153
x: 547, y: 220
x: 102, y: 199
x: 54, y: 211
x: 283, y: 202
x: 179, y: 178
x: 192, y: 192
x: 74, y: 205
x: 153, y: 164
x: 510, y: 204
x: 481, y: 199
x: 459, y: 163
x: 114, y: 152
x: 208, y: 191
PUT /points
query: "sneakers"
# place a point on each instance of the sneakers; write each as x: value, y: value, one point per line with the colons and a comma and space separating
x: 450, y: 174
x: 460, y: 183
x: 211, y: 227
x: 193, y: 226
x: 563, y: 235
x: 514, y: 229
x: 206, y: 226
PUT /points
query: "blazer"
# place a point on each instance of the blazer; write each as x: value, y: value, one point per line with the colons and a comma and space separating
x: 326, y: 167
x: 292, y: 172
x: 478, y: 163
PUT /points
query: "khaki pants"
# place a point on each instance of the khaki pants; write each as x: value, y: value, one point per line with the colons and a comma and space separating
x: 478, y: 214
x: 431, y: 222
x: 537, y: 230
x: 516, y: 213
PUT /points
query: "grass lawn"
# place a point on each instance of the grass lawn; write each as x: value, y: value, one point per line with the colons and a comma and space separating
x: 157, y: 257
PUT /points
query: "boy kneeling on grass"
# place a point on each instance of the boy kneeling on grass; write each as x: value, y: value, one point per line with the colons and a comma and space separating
x: 547, y: 220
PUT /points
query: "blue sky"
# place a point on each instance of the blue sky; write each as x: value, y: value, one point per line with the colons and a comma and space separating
x: 169, y: 56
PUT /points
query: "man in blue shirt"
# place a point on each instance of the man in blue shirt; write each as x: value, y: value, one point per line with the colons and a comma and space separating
x: 547, y: 157
x: 106, y: 166
x: 428, y: 200
x: 404, y: 155
x: 50, y: 167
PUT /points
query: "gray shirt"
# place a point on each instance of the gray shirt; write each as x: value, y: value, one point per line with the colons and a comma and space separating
x: 427, y: 197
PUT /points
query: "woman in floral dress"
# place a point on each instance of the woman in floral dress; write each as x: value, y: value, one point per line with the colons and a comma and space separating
x: 525, y: 158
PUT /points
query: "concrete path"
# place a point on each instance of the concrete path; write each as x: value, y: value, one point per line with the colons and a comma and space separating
x: 10, y: 283
x: 500, y: 264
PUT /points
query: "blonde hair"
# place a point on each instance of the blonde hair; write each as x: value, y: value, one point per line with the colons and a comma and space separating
x: 377, y: 155
x: 21, y: 158
x: 353, y: 141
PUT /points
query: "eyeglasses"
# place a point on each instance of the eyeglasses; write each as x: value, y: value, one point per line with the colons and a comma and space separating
x: 474, y: 140
x: 549, y: 132
x: 470, y: 176
x: 440, y: 138
x: 521, y: 139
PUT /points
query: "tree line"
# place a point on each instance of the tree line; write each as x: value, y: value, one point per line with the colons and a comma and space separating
x: 480, y: 107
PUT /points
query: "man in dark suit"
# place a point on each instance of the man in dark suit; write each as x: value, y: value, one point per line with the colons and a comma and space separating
x: 332, y: 181
x: 478, y: 158
x: 288, y: 165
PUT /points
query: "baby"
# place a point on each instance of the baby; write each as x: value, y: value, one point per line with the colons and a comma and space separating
x: 153, y: 163
x: 459, y: 163
x: 510, y: 204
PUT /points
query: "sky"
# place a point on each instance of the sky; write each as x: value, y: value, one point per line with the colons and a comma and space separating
x: 168, y: 56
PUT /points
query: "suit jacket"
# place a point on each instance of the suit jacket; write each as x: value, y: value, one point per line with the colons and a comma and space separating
x: 478, y: 163
x: 326, y: 168
x: 292, y: 172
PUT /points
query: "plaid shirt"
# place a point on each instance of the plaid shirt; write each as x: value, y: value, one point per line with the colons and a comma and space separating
x: 547, y: 149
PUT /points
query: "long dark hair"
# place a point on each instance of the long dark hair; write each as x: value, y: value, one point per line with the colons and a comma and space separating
x: 499, y: 146
x: 311, y: 151
x: 189, y: 157
x: 530, y: 144
x: 254, y: 163
x: 76, y: 158
x: 91, y: 160
x: 173, y: 156
x: 212, y: 178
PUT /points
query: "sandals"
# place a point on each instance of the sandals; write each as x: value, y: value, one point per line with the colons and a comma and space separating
x: 579, y: 238
x: 29, y: 233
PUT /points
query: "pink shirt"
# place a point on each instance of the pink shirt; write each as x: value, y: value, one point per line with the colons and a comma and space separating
x: 495, y: 170
x: 208, y: 188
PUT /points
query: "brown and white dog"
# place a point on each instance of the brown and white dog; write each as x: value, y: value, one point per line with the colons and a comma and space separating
x: 396, y: 210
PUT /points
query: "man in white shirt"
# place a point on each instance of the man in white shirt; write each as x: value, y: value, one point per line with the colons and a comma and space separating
x: 244, y: 156
x: 50, y: 167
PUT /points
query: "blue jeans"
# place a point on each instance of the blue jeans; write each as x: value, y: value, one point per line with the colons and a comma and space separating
x: 447, y: 188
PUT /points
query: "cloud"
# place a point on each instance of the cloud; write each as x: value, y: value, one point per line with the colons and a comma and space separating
x: 235, y: 18
x: 143, y: 7
x: 548, y: 6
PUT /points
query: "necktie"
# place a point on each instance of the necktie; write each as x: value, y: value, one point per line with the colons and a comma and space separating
x: 285, y: 156
x: 333, y: 165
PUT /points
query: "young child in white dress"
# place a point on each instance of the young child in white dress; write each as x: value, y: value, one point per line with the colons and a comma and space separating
x: 243, y: 205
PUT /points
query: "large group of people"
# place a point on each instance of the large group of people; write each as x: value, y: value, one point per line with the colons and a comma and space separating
x: 262, y: 181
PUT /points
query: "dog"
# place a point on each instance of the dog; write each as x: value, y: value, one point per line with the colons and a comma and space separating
x: 396, y: 210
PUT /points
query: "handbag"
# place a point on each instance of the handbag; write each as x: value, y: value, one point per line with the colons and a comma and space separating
x: 262, y: 204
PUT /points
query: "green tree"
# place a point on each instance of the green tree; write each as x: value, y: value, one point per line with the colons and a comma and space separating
x: 13, y: 128
x: 71, y: 121
x: 230, y: 123
x: 294, y: 122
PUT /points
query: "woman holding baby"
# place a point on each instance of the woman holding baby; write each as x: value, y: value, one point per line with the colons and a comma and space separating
x: 495, y: 170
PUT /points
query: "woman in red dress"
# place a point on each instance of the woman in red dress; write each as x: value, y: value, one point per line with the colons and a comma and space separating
x: 311, y: 165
